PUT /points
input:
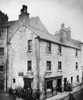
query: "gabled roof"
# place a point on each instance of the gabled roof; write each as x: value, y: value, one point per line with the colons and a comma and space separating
x: 40, y: 30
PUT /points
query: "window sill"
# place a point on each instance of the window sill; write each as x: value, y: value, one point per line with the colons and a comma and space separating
x: 77, y: 69
x: 48, y: 71
x: 59, y: 54
x: 29, y: 51
x: 59, y: 70
x: 49, y: 52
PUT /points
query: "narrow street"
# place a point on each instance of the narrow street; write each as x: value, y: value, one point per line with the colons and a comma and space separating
x: 5, y: 96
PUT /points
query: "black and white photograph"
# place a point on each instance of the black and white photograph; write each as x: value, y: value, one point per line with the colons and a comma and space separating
x: 41, y: 49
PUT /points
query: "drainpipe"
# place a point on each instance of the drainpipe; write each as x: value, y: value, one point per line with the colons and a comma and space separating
x: 38, y: 60
x: 7, y: 61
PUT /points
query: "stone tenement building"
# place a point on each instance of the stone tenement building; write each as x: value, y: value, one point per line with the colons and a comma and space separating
x: 35, y: 58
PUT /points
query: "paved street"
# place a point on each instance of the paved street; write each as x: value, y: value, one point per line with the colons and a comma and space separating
x: 4, y: 96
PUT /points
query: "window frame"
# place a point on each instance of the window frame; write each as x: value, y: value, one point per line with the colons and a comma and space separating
x: 29, y: 65
x: 59, y: 65
x: 59, y: 49
x: 2, y: 52
x: 29, y: 45
x: 48, y: 68
x: 48, y: 47
x: 76, y: 65
x: 76, y: 53
x: 77, y: 78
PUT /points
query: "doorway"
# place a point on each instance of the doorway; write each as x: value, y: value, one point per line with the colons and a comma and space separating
x: 65, y: 83
x: 59, y: 85
x: 27, y: 83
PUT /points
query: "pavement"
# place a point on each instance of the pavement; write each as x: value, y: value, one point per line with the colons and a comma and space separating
x: 5, y: 96
x: 64, y: 94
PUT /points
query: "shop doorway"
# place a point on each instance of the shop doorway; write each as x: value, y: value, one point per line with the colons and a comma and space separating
x: 59, y: 85
x: 65, y: 83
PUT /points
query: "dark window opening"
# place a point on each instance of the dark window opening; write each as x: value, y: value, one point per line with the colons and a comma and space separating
x: 49, y: 84
x: 48, y: 65
x: 71, y: 80
x: 76, y: 52
x: 77, y: 78
x: 59, y: 49
x: 76, y: 65
x: 29, y: 45
x: 1, y: 51
x: 29, y: 65
x: 1, y: 68
x: 59, y: 65
x: 14, y: 80
x: 48, y: 48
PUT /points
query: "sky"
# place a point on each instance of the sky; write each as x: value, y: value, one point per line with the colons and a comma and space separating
x: 51, y: 12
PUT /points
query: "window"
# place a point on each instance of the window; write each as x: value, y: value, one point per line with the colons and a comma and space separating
x: 48, y: 48
x: 29, y: 45
x: 48, y: 65
x: 59, y: 49
x: 59, y: 65
x: 1, y: 68
x: 29, y: 63
x: 1, y: 33
x: 76, y: 65
x: 14, y: 80
x: 49, y: 84
x: 77, y: 78
x: 71, y: 80
x: 1, y: 51
x: 76, y: 53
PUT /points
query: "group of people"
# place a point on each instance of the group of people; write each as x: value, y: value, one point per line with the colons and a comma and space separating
x: 26, y: 94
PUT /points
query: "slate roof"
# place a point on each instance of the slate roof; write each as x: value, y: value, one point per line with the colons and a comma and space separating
x: 40, y: 30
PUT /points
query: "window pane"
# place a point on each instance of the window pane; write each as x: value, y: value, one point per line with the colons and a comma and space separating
x: 29, y: 45
x: 1, y: 51
x: 48, y: 65
x: 48, y: 48
x: 29, y: 65
x: 59, y: 48
x: 59, y: 65
x: 1, y: 68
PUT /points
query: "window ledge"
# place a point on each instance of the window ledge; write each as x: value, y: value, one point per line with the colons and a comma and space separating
x: 48, y: 71
x: 29, y: 51
x: 49, y: 52
x: 59, y: 70
x: 59, y: 54
x: 77, y: 69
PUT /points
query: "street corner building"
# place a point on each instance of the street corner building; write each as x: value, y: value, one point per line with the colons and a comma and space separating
x: 32, y: 57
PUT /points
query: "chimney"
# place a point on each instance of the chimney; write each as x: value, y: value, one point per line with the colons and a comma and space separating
x: 24, y: 16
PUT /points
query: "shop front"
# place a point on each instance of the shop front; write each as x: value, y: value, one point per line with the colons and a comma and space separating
x: 52, y: 86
